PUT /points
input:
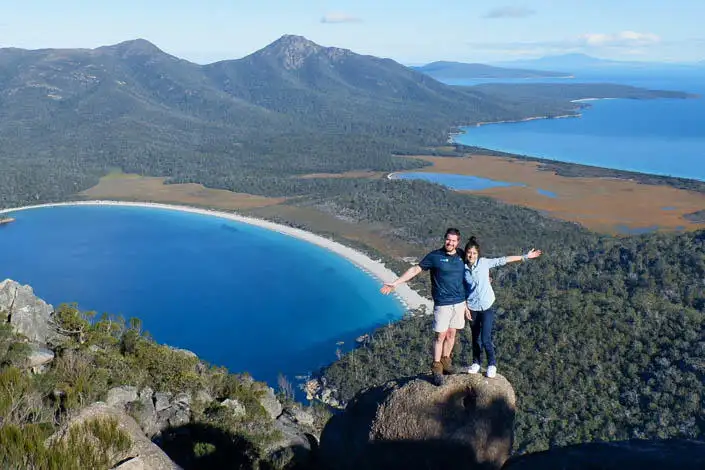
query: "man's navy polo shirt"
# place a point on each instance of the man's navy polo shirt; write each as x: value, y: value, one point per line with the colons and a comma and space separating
x: 447, y: 274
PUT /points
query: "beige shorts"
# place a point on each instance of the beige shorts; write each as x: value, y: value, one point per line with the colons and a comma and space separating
x: 448, y: 316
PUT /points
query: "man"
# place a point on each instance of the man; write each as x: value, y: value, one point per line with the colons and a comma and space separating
x: 447, y: 267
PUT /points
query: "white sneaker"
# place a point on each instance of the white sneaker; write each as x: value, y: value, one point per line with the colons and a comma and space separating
x: 474, y: 369
x: 491, y: 371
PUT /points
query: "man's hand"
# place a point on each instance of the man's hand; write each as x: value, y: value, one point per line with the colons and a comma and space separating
x: 468, y: 313
x: 533, y: 253
x: 409, y: 274
x: 387, y: 288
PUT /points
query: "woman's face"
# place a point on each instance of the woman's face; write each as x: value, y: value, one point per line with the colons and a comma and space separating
x: 472, y: 255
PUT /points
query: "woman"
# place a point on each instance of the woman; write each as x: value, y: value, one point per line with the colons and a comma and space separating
x: 480, y: 301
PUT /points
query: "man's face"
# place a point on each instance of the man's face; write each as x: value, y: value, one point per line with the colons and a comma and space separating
x: 451, y: 243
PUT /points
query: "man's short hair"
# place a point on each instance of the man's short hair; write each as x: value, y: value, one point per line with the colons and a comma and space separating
x: 452, y: 231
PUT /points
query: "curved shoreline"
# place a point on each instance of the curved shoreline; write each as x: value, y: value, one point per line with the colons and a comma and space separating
x: 532, y: 118
x: 409, y: 298
x: 462, y: 130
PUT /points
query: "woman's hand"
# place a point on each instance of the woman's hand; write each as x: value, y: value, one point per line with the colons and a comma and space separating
x: 468, y: 313
x: 533, y: 253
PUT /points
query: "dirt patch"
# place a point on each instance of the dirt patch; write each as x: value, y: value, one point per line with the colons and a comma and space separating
x: 153, y: 189
x: 607, y: 205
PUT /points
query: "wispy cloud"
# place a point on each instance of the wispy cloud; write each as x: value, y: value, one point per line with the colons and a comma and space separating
x: 627, y: 39
x: 339, y: 17
x: 509, y: 12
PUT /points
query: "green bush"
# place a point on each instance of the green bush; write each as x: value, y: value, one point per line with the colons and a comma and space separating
x: 20, y: 402
x: 93, y: 444
x: 167, y: 369
x: 13, y: 352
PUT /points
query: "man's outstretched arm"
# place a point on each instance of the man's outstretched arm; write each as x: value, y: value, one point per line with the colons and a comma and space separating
x: 407, y: 276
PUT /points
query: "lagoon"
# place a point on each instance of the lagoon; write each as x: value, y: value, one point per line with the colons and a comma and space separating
x: 463, y: 182
x: 457, y: 182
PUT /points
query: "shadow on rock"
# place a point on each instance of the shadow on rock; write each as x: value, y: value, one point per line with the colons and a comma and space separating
x: 194, y: 446
x: 466, y: 423
x: 198, y: 446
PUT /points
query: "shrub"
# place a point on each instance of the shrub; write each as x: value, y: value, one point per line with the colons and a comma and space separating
x: 94, y: 444
x: 19, y: 402
x: 13, y: 352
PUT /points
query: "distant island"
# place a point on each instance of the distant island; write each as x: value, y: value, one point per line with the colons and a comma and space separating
x: 573, y: 94
x: 459, y: 70
x: 578, y: 62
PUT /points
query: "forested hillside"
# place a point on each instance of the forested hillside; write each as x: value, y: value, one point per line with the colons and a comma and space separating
x: 604, y: 341
x: 68, y: 116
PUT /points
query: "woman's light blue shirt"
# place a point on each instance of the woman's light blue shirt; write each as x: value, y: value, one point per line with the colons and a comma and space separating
x: 477, y: 283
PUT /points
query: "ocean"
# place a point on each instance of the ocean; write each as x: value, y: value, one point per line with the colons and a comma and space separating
x: 237, y: 295
x: 662, y: 136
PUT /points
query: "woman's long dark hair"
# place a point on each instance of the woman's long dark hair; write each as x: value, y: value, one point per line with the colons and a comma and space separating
x: 472, y: 243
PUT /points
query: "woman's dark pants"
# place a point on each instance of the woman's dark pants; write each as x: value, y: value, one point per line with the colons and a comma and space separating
x: 482, y: 336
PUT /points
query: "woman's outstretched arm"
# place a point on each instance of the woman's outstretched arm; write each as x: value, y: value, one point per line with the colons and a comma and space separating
x: 533, y: 253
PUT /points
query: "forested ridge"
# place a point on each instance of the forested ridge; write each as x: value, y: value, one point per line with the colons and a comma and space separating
x: 68, y: 116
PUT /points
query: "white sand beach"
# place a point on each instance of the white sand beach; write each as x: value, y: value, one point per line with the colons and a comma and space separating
x: 591, y: 99
x: 407, y: 296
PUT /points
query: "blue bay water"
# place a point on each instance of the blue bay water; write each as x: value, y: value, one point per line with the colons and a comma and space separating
x: 661, y: 136
x: 237, y: 295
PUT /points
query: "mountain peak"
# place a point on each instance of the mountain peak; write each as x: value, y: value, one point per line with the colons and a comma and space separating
x: 295, y: 41
x: 292, y: 51
x: 133, y: 47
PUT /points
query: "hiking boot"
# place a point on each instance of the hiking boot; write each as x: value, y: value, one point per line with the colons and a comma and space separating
x: 448, y: 368
x: 491, y: 371
x: 474, y: 368
x: 437, y: 373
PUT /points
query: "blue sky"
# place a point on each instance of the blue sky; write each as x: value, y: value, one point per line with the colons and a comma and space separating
x: 411, y: 32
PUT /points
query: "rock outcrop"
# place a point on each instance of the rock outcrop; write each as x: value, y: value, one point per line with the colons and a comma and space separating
x: 411, y: 424
x: 295, y: 447
x: 317, y: 389
x: 143, y: 409
x: 142, y: 453
x: 236, y: 408
x: 673, y: 454
x: 29, y: 315
x: 154, y: 412
x: 269, y: 402
x: 39, y: 358
x: 118, y: 397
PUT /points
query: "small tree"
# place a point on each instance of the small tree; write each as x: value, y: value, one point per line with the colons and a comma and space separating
x: 70, y: 321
